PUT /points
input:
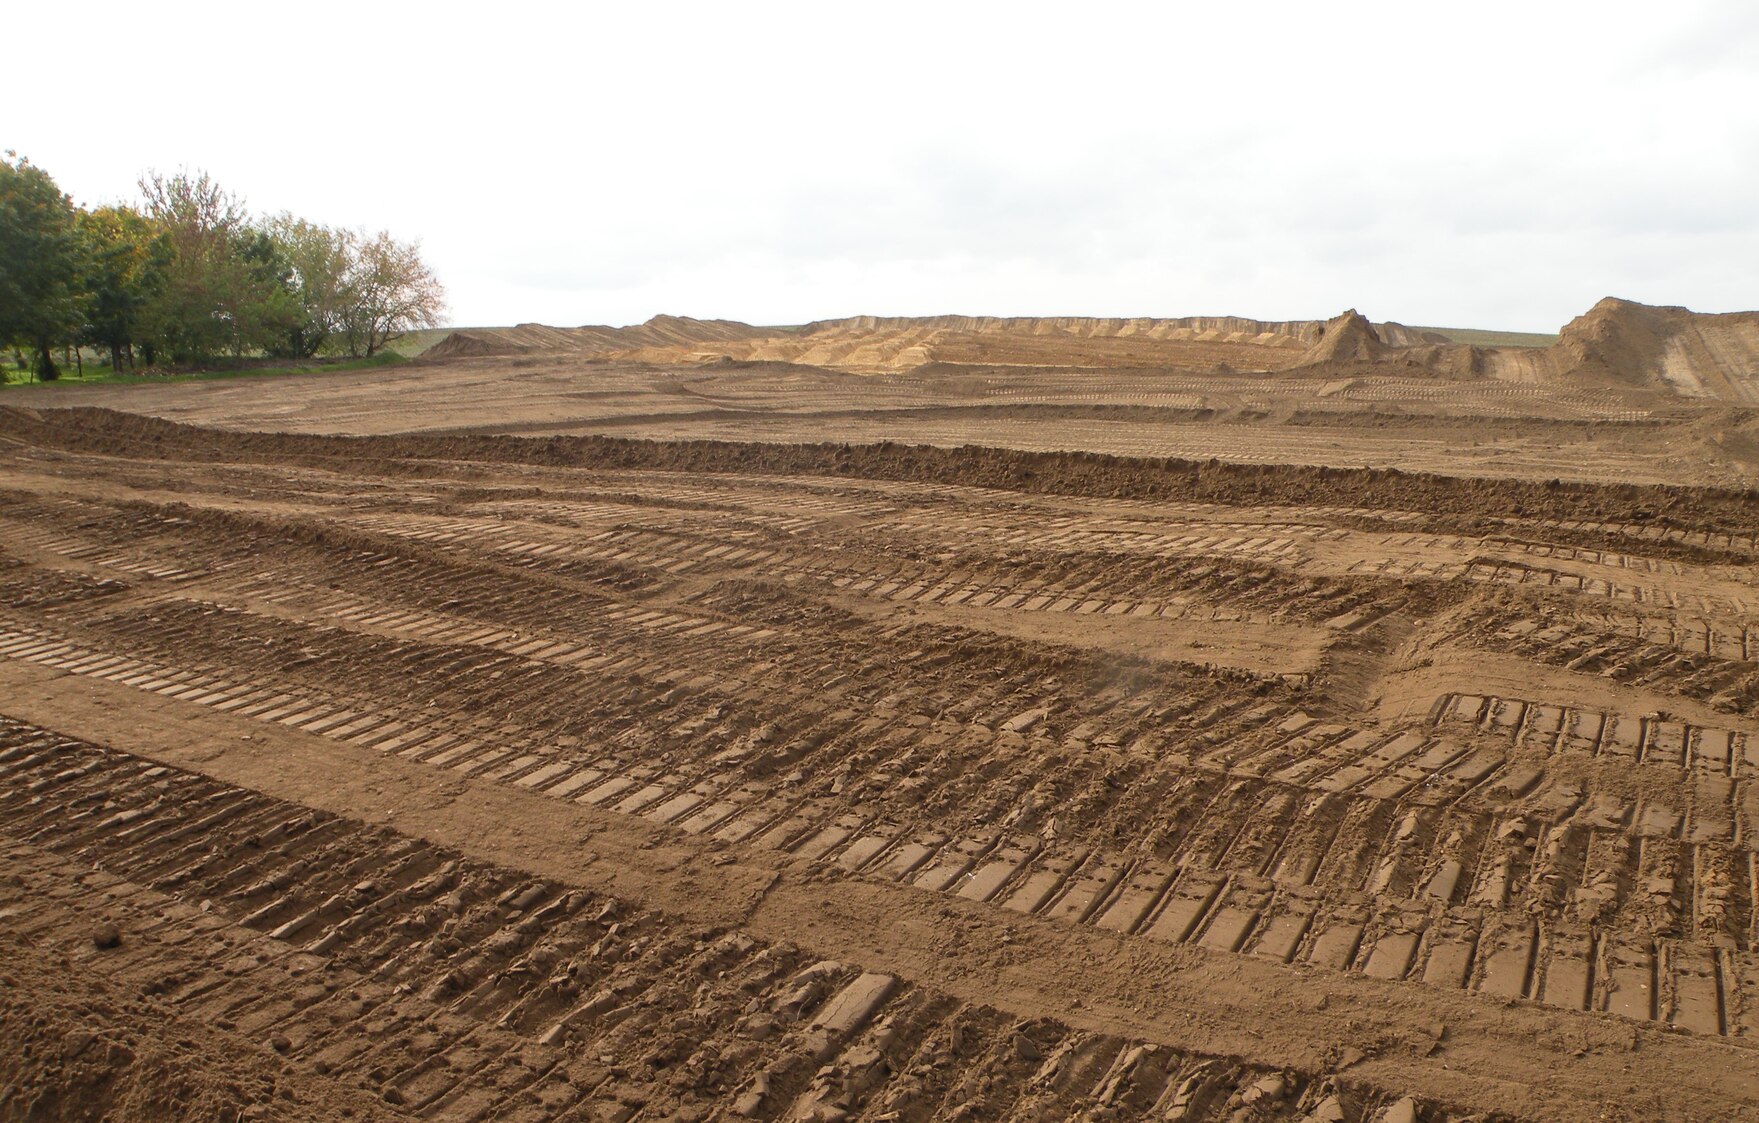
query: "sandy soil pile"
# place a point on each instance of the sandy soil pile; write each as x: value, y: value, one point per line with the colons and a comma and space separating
x: 1707, y: 356
x: 875, y: 344
x: 1617, y: 342
x: 1233, y: 329
x: 680, y: 332
x: 1348, y: 338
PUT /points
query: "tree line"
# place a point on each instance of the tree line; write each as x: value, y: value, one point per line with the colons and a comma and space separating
x: 188, y: 276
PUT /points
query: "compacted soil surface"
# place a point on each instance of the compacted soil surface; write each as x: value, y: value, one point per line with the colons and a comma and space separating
x: 458, y: 775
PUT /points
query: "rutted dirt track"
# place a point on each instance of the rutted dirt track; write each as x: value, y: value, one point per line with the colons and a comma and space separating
x: 491, y: 777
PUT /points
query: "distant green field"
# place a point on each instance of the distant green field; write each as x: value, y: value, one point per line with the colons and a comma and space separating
x: 1480, y: 338
x: 98, y: 374
x: 97, y: 366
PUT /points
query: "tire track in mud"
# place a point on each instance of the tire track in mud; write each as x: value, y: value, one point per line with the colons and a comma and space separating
x: 644, y: 785
x: 1067, y: 581
x: 280, y: 763
x: 456, y: 990
x: 796, y: 672
x: 1711, y: 660
x: 1077, y: 583
x: 1433, y: 864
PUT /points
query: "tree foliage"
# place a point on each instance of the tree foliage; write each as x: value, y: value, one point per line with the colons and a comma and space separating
x: 190, y: 276
x: 43, y: 294
x: 221, y: 286
x: 390, y: 291
x: 129, y: 258
x: 319, y: 260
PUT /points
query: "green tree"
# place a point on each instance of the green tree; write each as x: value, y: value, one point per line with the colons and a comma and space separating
x: 127, y: 255
x: 389, y: 291
x: 42, y: 263
x: 216, y: 299
x: 271, y: 315
x: 319, y: 259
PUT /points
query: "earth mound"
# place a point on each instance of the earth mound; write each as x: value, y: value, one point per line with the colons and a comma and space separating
x: 468, y: 344
x: 896, y: 344
x: 1694, y: 354
x: 1616, y: 344
x: 1346, y: 338
x: 660, y: 332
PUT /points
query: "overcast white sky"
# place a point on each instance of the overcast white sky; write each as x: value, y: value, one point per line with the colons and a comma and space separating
x: 1484, y: 165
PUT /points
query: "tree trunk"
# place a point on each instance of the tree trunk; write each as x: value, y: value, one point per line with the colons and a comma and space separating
x: 46, y: 369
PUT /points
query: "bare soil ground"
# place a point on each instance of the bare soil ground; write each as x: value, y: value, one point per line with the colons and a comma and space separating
x: 414, y: 744
x: 1411, y: 420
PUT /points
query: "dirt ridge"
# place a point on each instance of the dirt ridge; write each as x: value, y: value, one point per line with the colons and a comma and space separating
x: 99, y: 430
x: 1617, y: 342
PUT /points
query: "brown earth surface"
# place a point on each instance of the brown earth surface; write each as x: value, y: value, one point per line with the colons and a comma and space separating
x: 1356, y: 743
x: 1628, y: 393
